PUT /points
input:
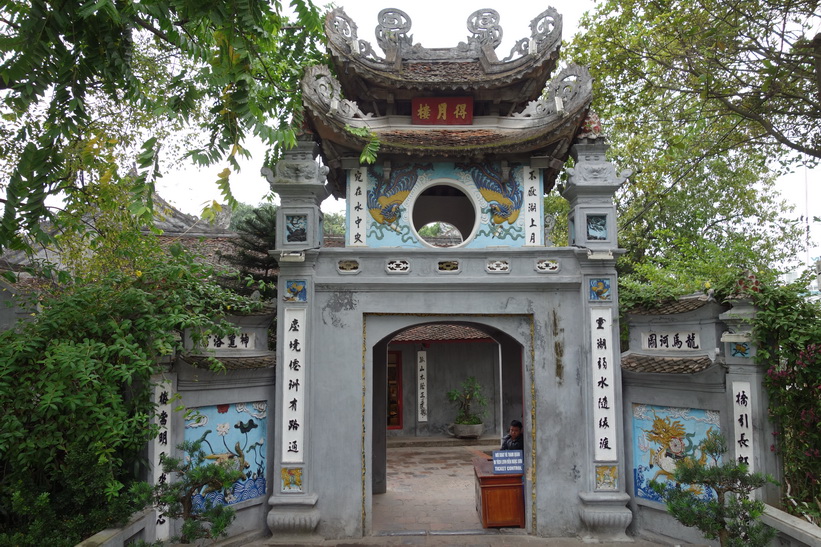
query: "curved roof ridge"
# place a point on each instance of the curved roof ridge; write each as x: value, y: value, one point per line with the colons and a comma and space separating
x: 469, y: 65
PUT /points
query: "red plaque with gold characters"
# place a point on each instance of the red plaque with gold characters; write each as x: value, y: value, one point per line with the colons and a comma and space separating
x: 442, y: 111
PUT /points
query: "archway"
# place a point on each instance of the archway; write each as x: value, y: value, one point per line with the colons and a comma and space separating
x: 414, y: 367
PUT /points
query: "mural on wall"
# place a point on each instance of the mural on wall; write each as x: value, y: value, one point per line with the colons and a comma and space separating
x: 607, y: 477
x: 504, y: 200
x: 232, y: 432
x: 389, y: 203
x: 385, y: 199
x: 596, y: 227
x: 739, y: 349
x: 663, y: 436
x: 291, y: 479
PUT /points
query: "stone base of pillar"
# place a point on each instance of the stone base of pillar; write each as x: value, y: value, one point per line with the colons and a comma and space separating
x: 293, y: 519
x: 605, y: 516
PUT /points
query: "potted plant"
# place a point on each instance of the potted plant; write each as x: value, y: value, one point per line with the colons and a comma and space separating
x: 470, y: 403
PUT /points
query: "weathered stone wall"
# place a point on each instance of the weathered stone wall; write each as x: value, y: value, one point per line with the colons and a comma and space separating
x: 352, y: 313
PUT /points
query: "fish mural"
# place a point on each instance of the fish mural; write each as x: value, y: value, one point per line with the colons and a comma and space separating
x: 231, y: 433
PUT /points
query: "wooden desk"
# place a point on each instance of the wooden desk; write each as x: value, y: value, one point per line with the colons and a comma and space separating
x: 500, y: 499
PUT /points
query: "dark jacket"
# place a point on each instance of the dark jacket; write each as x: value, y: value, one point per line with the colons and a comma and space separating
x: 513, y: 444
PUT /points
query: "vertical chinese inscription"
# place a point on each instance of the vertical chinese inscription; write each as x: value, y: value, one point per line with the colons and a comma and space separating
x: 293, y: 387
x: 357, y: 200
x: 604, y: 390
x: 533, y: 206
x: 162, y: 398
x: 743, y: 423
x: 422, y: 386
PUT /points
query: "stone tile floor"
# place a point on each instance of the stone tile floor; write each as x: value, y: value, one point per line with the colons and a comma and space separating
x: 430, y: 503
x: 429, y: 489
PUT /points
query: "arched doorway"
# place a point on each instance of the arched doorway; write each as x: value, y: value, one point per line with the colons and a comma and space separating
x: 413, y: 368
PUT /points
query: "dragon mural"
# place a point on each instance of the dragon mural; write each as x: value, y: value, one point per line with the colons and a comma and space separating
x: 663, y: 437
x: 504, y: 199
x: 387, y: 196
x: 674, y: 445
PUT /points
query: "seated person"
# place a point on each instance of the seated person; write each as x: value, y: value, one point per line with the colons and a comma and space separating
x: 513, y: 440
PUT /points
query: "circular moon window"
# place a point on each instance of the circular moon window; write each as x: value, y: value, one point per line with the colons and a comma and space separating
x: 443, y: 216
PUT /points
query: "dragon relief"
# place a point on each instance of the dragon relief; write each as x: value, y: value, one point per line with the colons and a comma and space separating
x: 674, y: 445
x: 504, y: 199
x: 387, y: 196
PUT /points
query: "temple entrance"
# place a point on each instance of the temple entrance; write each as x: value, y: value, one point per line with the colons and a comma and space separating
x: 422, y: 474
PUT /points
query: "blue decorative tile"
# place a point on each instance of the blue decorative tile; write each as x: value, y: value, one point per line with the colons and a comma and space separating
x: 295, y: 291
x: 600, y: 289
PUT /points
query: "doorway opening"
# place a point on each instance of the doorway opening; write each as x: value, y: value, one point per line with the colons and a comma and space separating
x: 423, y: 476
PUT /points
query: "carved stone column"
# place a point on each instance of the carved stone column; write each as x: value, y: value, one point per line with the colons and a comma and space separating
x: 592, y: 185
x: 299, y: 181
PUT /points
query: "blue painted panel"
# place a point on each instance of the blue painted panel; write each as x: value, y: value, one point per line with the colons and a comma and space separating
x: 232, y: 432
x: 662, y: 436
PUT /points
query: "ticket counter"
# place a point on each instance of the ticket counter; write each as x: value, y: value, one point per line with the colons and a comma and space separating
x: 499, y: 497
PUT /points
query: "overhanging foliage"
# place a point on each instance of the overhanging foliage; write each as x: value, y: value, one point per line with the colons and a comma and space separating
x: 88, y: 86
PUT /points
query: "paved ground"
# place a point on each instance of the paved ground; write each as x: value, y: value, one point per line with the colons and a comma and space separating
x: 429, y: 489
x: 430, y: 503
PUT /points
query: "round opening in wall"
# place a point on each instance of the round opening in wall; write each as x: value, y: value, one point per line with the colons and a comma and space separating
x: 443, y: 216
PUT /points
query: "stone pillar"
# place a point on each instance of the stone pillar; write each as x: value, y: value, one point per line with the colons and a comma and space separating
x: 590, y: 190
x: 750, y: 434
x: 593, y: 182
x: 299, y: 181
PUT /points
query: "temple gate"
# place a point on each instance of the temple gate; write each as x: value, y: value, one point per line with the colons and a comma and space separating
x: 472, y: 142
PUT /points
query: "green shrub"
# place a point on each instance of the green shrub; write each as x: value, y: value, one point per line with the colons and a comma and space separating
x: 189, y: 476
x: 732, y: 516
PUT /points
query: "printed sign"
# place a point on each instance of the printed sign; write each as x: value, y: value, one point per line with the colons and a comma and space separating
x: 604, y: 382
x: 507, y: 462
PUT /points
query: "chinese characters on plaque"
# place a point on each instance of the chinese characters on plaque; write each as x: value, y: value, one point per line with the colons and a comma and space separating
x: 533, y: 206
x: 162, y: 446
x: 243, y: 340
x: 422, y: 386
x: 293, y: 386
x: 743, y: 423
x: 684, y: 340
x: 604, y: 390
x: 357, y: 206
x: 442, y: 111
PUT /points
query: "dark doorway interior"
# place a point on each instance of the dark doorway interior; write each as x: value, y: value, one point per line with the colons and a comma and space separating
x: 408, y: 451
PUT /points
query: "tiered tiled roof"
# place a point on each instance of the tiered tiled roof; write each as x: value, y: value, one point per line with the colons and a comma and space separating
x: 682, y: 305
x: 516, y: 111
x: 233, y: 363
x: 668, y: 365
x: 471, y: 65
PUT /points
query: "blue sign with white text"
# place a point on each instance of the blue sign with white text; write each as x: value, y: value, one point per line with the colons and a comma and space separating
x: 508, y: 462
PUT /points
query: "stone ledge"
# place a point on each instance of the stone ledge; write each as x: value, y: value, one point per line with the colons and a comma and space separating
x: 798, y: 530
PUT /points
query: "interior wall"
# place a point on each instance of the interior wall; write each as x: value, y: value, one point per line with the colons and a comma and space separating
x: 512, y: 382
x: 380, y: 418
x: 449, y: 364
